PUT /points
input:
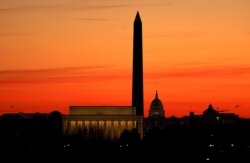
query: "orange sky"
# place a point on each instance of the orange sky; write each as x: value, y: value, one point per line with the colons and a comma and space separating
x: 56, y: 53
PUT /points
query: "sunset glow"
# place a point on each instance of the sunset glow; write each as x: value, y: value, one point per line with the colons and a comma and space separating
x: 57, y: 53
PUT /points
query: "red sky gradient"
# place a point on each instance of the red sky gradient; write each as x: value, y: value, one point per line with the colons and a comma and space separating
x: 56, y: 53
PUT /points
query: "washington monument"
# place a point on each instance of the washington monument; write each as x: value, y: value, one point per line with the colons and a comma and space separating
x: 137, y: 87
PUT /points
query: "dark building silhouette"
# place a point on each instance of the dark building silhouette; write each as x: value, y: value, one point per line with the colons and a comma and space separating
x: 212, y: 116
x: 156, y: 117
x: 137, y: 87
x: 156, y: 108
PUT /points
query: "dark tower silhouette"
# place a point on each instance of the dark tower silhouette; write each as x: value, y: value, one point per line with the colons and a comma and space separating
x: 137, y: 87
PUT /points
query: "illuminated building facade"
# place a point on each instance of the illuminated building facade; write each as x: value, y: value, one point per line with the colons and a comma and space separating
x: 108, y: 121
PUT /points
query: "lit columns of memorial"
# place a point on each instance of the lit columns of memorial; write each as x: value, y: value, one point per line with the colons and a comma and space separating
x: 109, y: 128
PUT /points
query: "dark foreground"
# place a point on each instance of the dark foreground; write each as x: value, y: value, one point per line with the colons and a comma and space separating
x: 143, y: 152
x: 44, y: 141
